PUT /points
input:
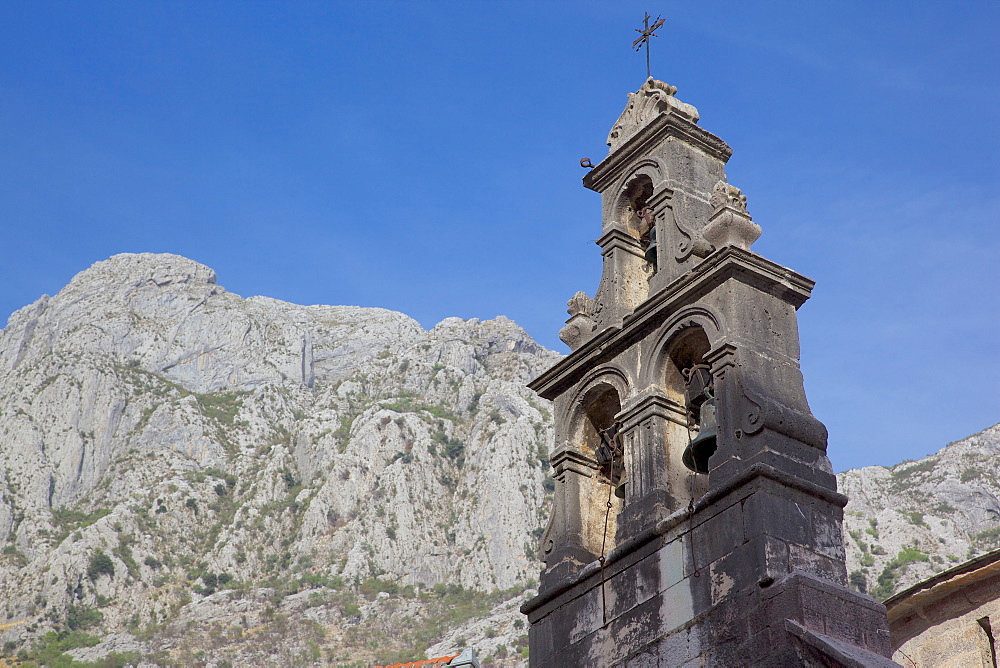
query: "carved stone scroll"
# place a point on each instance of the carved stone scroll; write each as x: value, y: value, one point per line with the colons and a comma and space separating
x: 690, y: 241
x: 654, y: 98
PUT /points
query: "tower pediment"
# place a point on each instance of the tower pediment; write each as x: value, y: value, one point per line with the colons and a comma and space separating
x: 654, y: 98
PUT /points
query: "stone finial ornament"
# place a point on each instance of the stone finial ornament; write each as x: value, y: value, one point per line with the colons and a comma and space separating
x: 726, y: 195
x: 730, y: 224
x: 581, y: 324
x: 580, y: 303
x: 654, y: 98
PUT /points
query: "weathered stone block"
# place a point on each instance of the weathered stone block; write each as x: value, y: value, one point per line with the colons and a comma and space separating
x: 649, y: 659
x: 775, y: 514
x: 679, y: 647
x: 807, y: 561
x: 828, y: 535
x: 634, y: 631
x: 643, y: 513
x: 581, y: 616
x: 724, y: 653
x: 845, y: 626
x: 677, y: 606
x: 633, y: 586
x: 729, y: 620
x: 756, y: 563
x: 672, y: 559
x: 875, y: 630
x: 783, y: 600
x: 541, y: 640
x: 718, y: 536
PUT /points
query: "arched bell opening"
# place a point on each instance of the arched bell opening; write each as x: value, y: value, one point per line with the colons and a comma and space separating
x: 687, y: 349
x: 637, y: 216
x: 688, y: 381
x: 597, y: 435
x: 600, y: 431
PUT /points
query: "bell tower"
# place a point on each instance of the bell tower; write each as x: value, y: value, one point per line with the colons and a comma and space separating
x: 696, y: 519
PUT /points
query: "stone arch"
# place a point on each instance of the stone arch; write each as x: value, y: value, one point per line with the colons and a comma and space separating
x: 596, y: 403
x: 663, y: 368
x: 645, y: 180
x: 683, y: 341
x: 595, y: 406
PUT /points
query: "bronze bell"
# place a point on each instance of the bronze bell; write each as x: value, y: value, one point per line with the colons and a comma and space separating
x: 700, y: 400
x: 650, y: 253
x: 698, y: 451
x: 620, y: 487
x: 610, y: 458
x: 647, y: 232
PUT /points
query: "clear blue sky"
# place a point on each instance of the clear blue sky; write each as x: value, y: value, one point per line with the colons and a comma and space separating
x: 423, y: 157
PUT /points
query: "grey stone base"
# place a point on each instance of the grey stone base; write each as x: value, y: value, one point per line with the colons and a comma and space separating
x: 718, y: 588
x: 797, y: 621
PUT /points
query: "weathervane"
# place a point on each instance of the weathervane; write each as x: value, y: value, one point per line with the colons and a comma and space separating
x: 644, y: 35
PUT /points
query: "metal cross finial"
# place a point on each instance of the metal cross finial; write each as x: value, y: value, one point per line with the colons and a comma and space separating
x: 644, y: 35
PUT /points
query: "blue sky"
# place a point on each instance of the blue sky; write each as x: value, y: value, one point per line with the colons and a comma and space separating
x: 423, y: 157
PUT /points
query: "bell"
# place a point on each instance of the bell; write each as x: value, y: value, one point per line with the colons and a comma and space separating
x: 620, y: 487
x: 698, y: 451
x: 650, y: 253
x: 609, y: 457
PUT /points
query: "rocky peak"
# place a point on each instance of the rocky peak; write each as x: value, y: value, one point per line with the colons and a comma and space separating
x: 905, y: 522
x: 168, y: 445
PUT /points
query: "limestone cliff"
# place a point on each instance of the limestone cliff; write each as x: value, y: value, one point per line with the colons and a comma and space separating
x: 908, y: 521
x: 195, y: 477
x: 185, y: 469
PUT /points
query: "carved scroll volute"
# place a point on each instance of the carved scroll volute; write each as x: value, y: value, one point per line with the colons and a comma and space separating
x: 730, y: 224
x: 654, y: 98
x: 689, y: 241
x: 546, y: 543
x: 580, y: 326
x: 758, y: 410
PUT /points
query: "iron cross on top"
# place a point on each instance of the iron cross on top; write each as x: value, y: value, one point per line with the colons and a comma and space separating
x: 644, y: 35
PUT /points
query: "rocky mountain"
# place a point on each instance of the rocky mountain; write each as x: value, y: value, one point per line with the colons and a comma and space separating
x: 189, y: 475
x: 909, y: 521
x: 195, y: 478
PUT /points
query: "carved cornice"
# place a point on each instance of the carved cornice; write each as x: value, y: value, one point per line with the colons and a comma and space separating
x: 574, y: 461
x: 729, y: 263
x: 669, y: 125
x: 618, y: 239
x: 724, y: 264
x: 581, y: 361
x: 651, y: 100
x: 652, y: 405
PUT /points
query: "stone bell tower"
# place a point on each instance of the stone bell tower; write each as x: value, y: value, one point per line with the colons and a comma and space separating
x: 696, y: 518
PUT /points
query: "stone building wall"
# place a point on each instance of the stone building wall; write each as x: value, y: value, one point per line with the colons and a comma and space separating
x: 949, y: 619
